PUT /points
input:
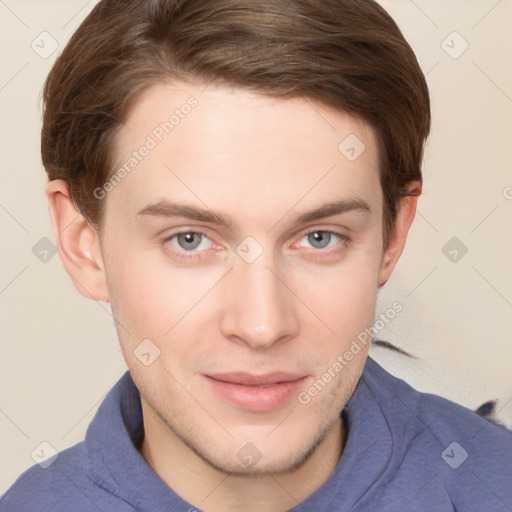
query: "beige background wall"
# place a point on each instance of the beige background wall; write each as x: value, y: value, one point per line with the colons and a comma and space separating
x: 59, y: 351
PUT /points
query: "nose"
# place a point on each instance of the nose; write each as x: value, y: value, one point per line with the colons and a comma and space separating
x: 261, y: 309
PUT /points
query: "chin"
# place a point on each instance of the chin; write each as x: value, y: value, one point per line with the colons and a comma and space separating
x: 261, y: 464
x: 264, y: 456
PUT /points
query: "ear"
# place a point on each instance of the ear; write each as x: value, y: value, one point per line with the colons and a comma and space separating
x: 397, y: 237
x: 78, y: 243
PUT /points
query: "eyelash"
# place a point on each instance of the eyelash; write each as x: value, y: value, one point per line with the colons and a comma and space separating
x: 192, y: 255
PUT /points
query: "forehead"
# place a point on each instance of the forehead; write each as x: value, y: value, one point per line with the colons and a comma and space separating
x: 214, y: 145
x: 220, y: 111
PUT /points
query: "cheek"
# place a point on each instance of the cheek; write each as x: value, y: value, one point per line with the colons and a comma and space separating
x: 137, y: 291
x: 344, y: 295
x: 153, y: 298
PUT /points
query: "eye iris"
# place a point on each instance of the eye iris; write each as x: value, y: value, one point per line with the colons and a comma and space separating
x: 186, y: 240
x: 319, y: 237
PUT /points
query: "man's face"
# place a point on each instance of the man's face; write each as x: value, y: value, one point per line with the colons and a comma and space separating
x: 266, y: 293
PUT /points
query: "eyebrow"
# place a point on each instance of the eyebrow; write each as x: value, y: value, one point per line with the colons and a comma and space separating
x: 166, y: 209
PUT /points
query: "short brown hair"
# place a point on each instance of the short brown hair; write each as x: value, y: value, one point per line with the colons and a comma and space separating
x: 346, y: 54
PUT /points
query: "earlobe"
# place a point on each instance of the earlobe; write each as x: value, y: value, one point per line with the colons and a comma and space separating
x: 78, y: 243
x: 398, y: 236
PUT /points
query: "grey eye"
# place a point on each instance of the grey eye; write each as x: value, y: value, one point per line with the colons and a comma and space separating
x: 189, y: 241
x: 319, y: 239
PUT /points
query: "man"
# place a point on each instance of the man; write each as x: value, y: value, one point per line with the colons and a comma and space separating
x: 238, y: 180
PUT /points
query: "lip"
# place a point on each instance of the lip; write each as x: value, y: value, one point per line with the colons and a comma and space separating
x: 263, y: 392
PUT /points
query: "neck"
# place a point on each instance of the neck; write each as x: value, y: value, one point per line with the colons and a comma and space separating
x: 212, y: 490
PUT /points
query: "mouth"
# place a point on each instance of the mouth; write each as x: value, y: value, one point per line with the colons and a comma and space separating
x: 263, y: 392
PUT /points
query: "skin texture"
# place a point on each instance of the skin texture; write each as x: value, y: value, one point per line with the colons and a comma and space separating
x: 299, y: 305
